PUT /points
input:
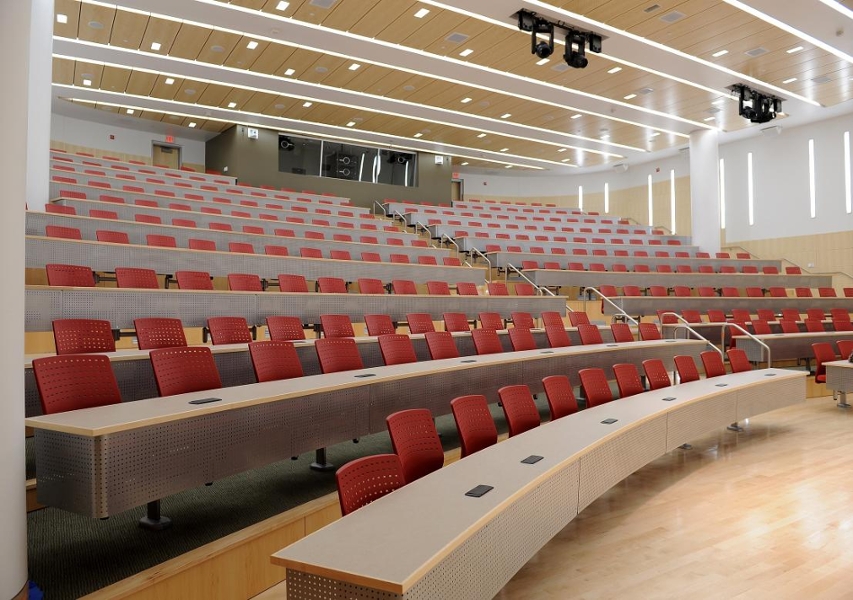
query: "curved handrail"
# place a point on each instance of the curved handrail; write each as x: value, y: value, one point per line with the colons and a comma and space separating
x: 486, y: 258
x: 512, y: 267
x: 749, y: 335
x: 445, y: 237
x: 381, y: 207
x: 611, y: 303
x: 426, y: 229
x: 684, y: 324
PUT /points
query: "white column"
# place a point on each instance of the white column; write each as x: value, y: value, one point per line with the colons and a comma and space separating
x: 39, y: 103
x: 21, y: 88
x: 705, y: 190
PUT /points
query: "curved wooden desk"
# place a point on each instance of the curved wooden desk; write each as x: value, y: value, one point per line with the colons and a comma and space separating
x: 428, y: 540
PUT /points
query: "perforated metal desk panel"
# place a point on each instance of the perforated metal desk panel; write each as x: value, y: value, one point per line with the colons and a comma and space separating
x: 428, y: 540
x: 649, y: 305
x: 65, y: 158
x: 552, y: 278
x: 436, y: 231
x: 501, y: 259
x: 105, y: 460
x: 788, y: 346
x: 121, y: 306
x: 132, y: 368
x: 101, y: 256
x: 839, y: 376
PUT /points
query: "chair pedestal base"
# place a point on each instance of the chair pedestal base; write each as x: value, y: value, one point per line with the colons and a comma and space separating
x: 153, y: 520
x: 320, y: 463
x: 685, y: 447
x: 842, y: 401
x: 735, y: 427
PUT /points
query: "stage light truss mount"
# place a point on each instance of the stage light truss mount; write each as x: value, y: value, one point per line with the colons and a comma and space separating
x: 756, y: 106
x: 577, y: 39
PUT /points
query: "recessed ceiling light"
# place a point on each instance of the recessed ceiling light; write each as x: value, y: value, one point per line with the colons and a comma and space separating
x: 155, y: 46
x: 130, y: 111
x: 307, y: 104
x: 709, y: 119
x: 605, y: 137
x: 506, y: 116
x: 96, y: 25
x: 576, y: 116
x: 504, y: 149
x: 655, y: 134
x: 543, y: 61
x: 217, y: 48
x: 192, y: 124
x: 282, y: 5
x: 87, y: 82
x: 566, y: 160
x: 354, y: 67
x: 466, y: 52
x: 232, y: 105
x: 252, y: 45
x: 562, y: 149
x: 464, y: 164
x: 351, y: 124
x: 422, y: 13
x: 60, y: 18
x: 169, y: 81
x: 466, y: 100
x: 794, y: 49
x: 720, y: 53
x: 508, y: 167
x: 630, y: 96
x: 417, y: 135
x: 718, y: 101
x: 790, y: 80
x: 614, y: 70
x: 289, y: 72
x: 482, y: 135
x: 189, y: 92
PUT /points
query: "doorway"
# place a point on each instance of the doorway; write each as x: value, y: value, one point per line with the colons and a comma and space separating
x: 167, y: 155
x: 456, y: 190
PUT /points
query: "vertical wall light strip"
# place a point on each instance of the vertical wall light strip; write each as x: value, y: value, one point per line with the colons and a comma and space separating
x: 580, y: 197
x: 672, y: 199
x: 651, y: 203
x: 812, y: 200
x: 607, y: 197
x: 750, y: 189
x: 848, y: 192
x: 722, y: 193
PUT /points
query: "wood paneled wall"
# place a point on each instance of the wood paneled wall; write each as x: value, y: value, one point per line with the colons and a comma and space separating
x: 121, y: 155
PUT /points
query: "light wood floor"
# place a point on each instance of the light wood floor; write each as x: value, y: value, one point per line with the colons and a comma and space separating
x: 763, y: 514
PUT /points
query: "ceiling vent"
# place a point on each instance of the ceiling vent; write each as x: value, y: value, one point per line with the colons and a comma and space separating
x: 456, y: 38
x: 652, y: 8
x: 672, y: 17
x: 822, y: 79
x: 756, y: 52
x: 323, y: 3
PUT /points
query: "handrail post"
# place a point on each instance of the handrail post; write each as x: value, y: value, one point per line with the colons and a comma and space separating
x: 620, y: 310
x: 684, y: 324
x: 486, y: 258
x: 512, y: 267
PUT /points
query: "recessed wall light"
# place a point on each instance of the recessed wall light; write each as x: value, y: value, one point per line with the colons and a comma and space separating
x: 543, y: 61
x: 790, y: 80
x: 232, y: 105
x: 720, y: 53
x: 794, y: 49
x: 282, y: 5
x: 191, y: 124
x: 630, y: 96
x: 351, y: 124
x: 466, y: 52
x: 506, y: 115
x: 422, y: 13
x: 482, y: 135
x: 614, y: 70
x: 60, y: 18
x: 169, y: 81
x: 155, y: 46
x: 466, y: 100
x: 354, y: 67
x: 308, y: 104
x: 289, y: 72
x: 252, y: 45
x: 418, y: 135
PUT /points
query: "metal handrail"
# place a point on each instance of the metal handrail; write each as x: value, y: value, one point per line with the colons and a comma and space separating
x: 426, y: 229
x: 381, y: 207
x: 685, y: 324
x: 611, y: 303
x: 445, y: 237
x: 749, y: 335
x: 401, y: 215
x: 525, y: 278
x: 486, y: 258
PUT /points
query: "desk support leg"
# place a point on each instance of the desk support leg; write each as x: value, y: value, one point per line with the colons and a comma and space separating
x: 686, y: 447
x: 735, y: 427
x: 320, y: 463
x: 153, y: 519
x: 842, y: 400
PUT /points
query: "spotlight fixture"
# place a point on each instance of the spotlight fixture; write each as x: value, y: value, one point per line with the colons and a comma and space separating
x: 576, y: 39
x: 285, y: 143
x: 575, y: 55
x: 756, y: 106
x: 541, y: 48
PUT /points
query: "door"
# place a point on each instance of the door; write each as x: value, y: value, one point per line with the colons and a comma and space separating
x: 456, y: 190
x: 166, y: 156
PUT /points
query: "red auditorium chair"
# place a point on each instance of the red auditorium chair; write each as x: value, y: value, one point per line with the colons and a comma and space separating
x: 523, y: 320
x: 576, y: 318
x: 69, y: 275
x: 730, y: 292
x: 823, y: 353
x: 552, y: 317
x: 274, y: 361
x: 789, y: 326
x: 595, y: 387
x: 371, y: 257
x: 685, y: 366
x: 229, y: 330
x: 682, y: 291
x: 438, y: 288
x: 621, y: 333
x: 557, y: 336
x: 628, y: 380
x: 310, y: 253
x: 160, y: 241
x: 416, y: 442
x: 465, y: 288
x: 827, y: 292
x: 75, y: 381
x: 803, y: 292
x: 766, y: 314
x: 451, y: 261
x: 713, y: 364
x: 183, y: 370
x: 454, y: 321
x: 658, y: 291
x: 560, y: 395
x: 427, y: 260
x: 441, y: 345
x: 183, y: 223
x: 112, y: 237
x: 244, y: 282
x: 497, y: 289
x: 738, y: 360
x: 331, y: 285
x: 649, y: 331
x: 379, y: 325
x: 420, y: 323
x: 491, y: 320
x: 60, y: 209
x: 845, y: 348
x: 133, y: 277
x: 159, y: 332
x: 364, y: 480
x: 338, y: 354
x: 631, y: 290
x: 272, y: 250
x: 525, y: 289
x: 741, y: 315
x: 760, y: 327
x: 241, y: 247
x: 284, y: 329
x: 64, y: 233
x: 691, y: 316
x: 813, y: 326
x: 816, y: 314
x: 82, y: 336
x: 220, y: 227
x: 790, y: 314
x: 397, y: 349
x: 337, y: 326
x: 401, y: 259
x: 519, y: 408
x: 292, y: 283
x: 486, y: 341
x: 205, y: 245
x: 474, y: 423
x: 370, y: 286
x: 589, y: 334
x: 194, y: 280
x: 521, y: 339
x: 656, y: 374
x: 404, y: 287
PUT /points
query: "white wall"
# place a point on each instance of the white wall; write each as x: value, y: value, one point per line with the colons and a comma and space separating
x: 93, y: 134
x: 781, y: 183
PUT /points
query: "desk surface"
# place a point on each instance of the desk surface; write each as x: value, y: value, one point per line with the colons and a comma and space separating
x: 551, y: 277
x: 409, y: 532
x: 501, y: 259
x: 649, y: 305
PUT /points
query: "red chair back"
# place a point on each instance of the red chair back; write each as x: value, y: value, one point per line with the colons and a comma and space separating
x: 686, y: 368
x: 133, y: 277
x: 292, y: 283
x: 519, y: 408
x: 523, y: 320
x: 370, y: 286
x: 416, y: 442
x: 112, y: 237
x: 589, y: 334
x: 244, y: 282
x: 486, y: 341
x: 621, y: 333
x: 491, y: 320
x: 441, y: 345
x: 557, y: 336
x: 364, y: 480
x: 337, y: 326
x: 158, y: 332
x: 576, y: 318
x: 229, y: 330
x: 282, y: 329
x: 474, y: 423
x: 823, y: 353
x: 183, y: 370
x: 656, y: 374
x: 420, y: 323
x: 331, y: 285
x: 273, y: 361
x: 456, y: 322
x: 379, y: 325
x: 75, y: 381
x: 82, y: 336
x: 521, y: 339
x: 65, y: 233
x: 397, y: 349
x: 561, y: 396
x: 628, y: 380
x: 713, y: 364
x: 338, y: 354
x: 466, y: 288
x: 649, y: 331
x: 194, y: 280
x: 69, y: 275
x: 438, y: 288
x: 738, y: 360
x: 595, y: 387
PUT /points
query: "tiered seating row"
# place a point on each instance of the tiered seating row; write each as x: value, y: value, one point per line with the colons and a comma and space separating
x: 89, y: 160
x: 503, y: 258
x: 553, y: 278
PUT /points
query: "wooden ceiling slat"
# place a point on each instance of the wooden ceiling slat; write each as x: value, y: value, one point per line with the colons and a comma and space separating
x: 63, y: 71
x: 114, y: 79
x: 218, y: 46
x: 189, y: 41
x: 161, y: 31
x: 95, y: 23
x: 71, y: 10
x: 381, y: 15
x: 128, y: 28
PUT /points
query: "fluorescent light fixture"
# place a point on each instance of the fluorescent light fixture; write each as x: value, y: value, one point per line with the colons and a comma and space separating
x: 482, y: 135
x: 504, y: 149
x: 812, y: 195
x: 750, y: 189
x: 307, y: 104
x: 87, y: 82
x: 672, y: 200
x: 130, y: 111
x: 722, y: 193
x: 506, y: 115
x: 790, y: 80
x: 351, y: 124
x: 354, y: 67
x: 562, y: 149
x: 289, y: 72
x: 651, y: 203
x: 466, y: 52
x: 465, y: 164
x: 282, y: 6
x: 566, y: 160
x: 543, y: 61
x: 794, y: 50
x: 192, y: 124
x: 169, y: 81
x: 422, y: 13
x: 252, y: 45
x: 706, y: 119
x: 614, y: 70
x: 630, y: 96
x: 848, y: 190
x: 576, y: 116
x: 580, y: 197
x: 508, y: 167
x: 60, y: 18
x: 232, y: 105
x: 606, y: 198
x: 720, y: 53
x: 419, y: 135
x: 155, y: 46
x: 466, y: 100
x: 655, y: 134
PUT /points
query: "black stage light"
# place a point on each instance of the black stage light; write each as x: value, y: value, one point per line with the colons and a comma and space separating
x: 756, y: 106
x: 541, y: 48
x: 594, y: 43
x: 575, y: 55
